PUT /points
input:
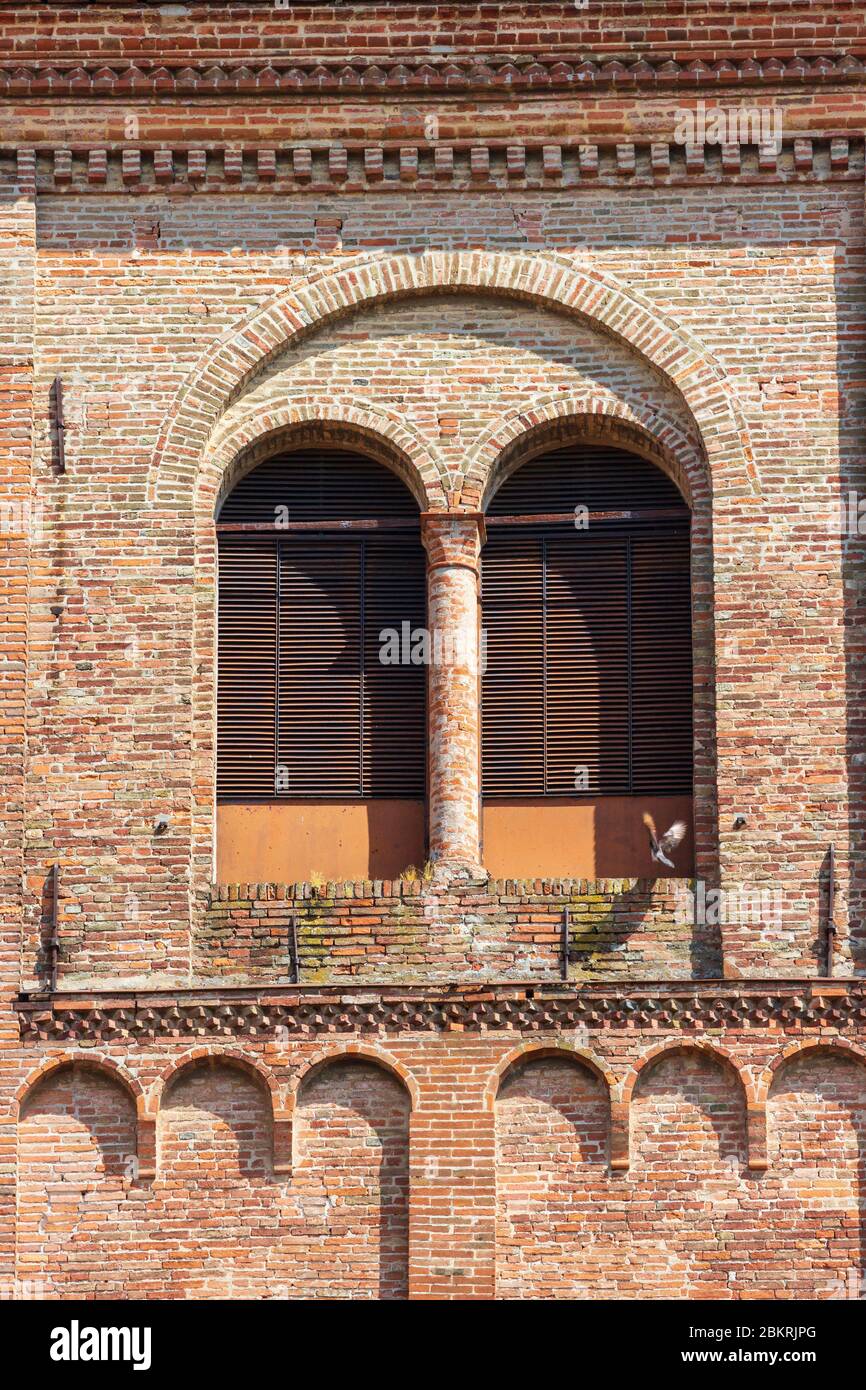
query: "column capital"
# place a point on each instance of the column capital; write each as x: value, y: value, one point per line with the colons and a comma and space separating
x: 453, y: 538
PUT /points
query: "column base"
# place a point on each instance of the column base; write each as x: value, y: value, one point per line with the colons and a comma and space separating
x: 458, y: 873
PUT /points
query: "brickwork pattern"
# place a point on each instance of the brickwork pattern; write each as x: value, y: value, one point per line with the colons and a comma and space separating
x: 562, y: 1190
x: 452, y: 236
x: 404, y: 932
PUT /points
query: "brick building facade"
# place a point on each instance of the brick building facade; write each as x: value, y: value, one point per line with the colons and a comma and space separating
x: 245, y: 1053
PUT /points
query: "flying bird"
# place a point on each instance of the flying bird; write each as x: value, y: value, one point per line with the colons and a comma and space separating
x: 660, y: 845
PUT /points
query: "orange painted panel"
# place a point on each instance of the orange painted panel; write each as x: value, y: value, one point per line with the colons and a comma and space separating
x: 586, y: 837
x: 287, y: 842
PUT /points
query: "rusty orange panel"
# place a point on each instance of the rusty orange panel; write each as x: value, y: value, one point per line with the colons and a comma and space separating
x: 288, y: 842
x: 589, y: 837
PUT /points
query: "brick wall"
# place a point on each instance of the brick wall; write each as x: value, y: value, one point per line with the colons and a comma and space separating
x: 511, y: 1169
x: 404, y: 932
x: 256, y: 228
x: 774, y: 671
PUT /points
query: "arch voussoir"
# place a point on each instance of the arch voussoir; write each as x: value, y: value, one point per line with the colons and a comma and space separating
x: 547, y: 281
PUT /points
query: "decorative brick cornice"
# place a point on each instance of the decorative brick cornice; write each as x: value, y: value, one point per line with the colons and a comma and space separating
x: 422, y: 74
x: 352, y: 167
x: 783, y: 1006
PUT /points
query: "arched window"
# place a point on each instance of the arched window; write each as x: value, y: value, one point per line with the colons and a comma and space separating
x: 321, y: 750
x: 587, y: 692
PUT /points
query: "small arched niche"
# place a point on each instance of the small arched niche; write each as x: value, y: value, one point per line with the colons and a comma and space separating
x: 815, y: 1208
x: 78, y: 1231
x: 587, y: 691
x: 321, y: 710
x: 552, y: 1126
x: 351, y: 1180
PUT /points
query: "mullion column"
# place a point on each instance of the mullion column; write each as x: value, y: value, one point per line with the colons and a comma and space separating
x: 453, y: 542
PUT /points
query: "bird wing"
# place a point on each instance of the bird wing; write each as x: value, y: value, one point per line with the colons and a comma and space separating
x: 672, y: 837
x: 651, y: 827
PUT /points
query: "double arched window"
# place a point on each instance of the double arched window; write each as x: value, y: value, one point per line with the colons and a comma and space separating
x: 586, y: 685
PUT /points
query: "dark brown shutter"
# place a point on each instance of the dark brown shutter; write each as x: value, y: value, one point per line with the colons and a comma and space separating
x: 318, y: 485
x: 319, y: 744
x: 512, y: 709
x: 587, y: 664
x: 593, y: 476
x: 661, y: 665
x: 394, y: 711
x: 307, y: 708
x: 588, y: 685
x: 246, y: 676
x: 350, y: 724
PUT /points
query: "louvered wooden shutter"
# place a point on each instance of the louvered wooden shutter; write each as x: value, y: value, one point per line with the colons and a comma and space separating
x: 588, y: 684
x: 247, y: 654
x: 349, y: 724
x: 394, y: 711
x: 320, y: 671
x: 594, y: 476
x: 306, y: 707
x: 513, y: 682
x: 587, y: 664
x: 318, y: 485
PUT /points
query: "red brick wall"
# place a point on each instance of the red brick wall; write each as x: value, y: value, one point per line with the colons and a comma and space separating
x: 75, y: 1142
x: 512, y: 31
x: 478, y: 1168
x: 552, y: 1142
x: 17, y: 270
x: 786, y: 669
x: 286, y: 241
x: 398, y: 931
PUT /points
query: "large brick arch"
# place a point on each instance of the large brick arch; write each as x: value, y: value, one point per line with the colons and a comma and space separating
x: 203, y: 442
x: 550, y: 281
